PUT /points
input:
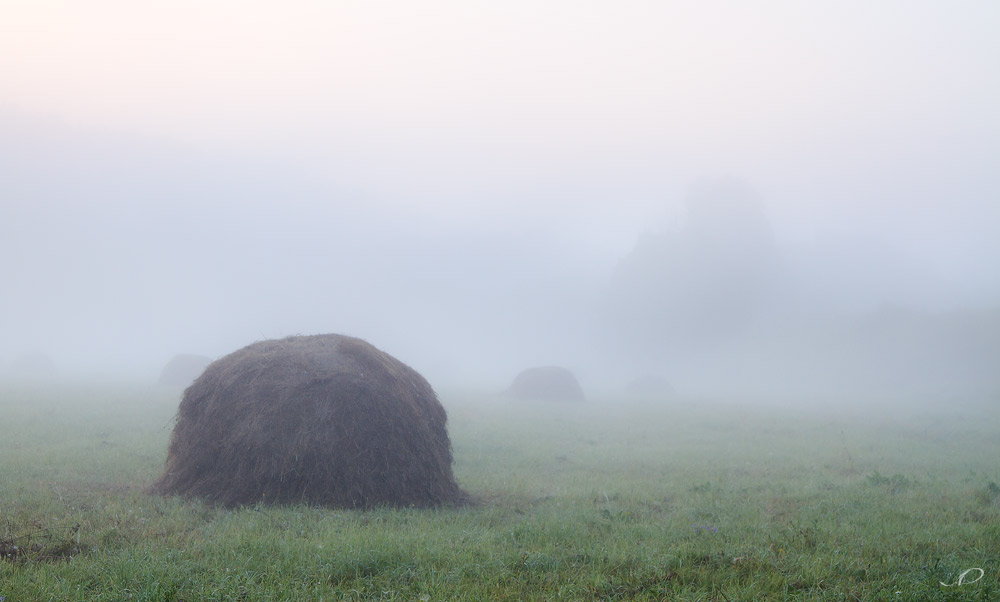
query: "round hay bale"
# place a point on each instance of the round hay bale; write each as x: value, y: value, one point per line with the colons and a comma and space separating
x: 649, y: 385
x: 183, y: 368
x: 547, y: 383
x: 325, y: 419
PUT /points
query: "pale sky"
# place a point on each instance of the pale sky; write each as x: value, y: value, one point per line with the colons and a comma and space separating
x: 868, y: 128
x: 612, y: 71
x: 451, y: 97
x: 548, y: 86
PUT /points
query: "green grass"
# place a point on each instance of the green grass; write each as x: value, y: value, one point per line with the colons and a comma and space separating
x: 678, y: 500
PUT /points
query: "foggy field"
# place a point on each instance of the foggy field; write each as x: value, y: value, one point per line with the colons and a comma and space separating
x: 777, y: 221
x: 614, y: 499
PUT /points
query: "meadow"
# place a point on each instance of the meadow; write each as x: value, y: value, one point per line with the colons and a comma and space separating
x: 615, y: 499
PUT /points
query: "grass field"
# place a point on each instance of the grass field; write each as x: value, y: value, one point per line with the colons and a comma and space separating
x: 677, y: 499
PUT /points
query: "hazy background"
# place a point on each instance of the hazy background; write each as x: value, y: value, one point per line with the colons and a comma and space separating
x: 787, y: 197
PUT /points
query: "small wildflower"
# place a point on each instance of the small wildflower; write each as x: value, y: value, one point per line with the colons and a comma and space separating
x: 715, y: 529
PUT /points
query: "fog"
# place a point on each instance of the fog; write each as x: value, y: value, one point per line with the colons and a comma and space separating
x: 795, y: 200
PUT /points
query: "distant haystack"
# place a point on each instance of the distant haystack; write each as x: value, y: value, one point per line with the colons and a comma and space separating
x: 33, y: 366
x: 325, y: 419
x: 649, y: 385
x: 546, y: 383
x: 183, y: 368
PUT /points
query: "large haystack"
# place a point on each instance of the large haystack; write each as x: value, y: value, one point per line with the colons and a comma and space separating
x: 324, y: 419
x: 183, y: 368
x: 547, y: 383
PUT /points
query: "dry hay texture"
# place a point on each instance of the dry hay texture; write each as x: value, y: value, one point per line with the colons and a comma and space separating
x: 183, y: 368
x: 326, y: 419
x: 547, y: 383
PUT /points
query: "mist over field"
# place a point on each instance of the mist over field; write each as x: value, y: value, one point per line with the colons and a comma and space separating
x: 794, y: 201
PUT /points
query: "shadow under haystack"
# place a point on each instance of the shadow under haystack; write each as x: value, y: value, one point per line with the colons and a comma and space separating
x: 546, y: 383
x: 325, y: 419
x: 183, y: 368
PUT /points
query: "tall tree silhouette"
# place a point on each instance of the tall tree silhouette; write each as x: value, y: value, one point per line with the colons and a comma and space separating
x: 700, y: 284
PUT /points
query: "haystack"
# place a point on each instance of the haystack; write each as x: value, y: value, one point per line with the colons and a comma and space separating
x: 326, y: 419
x: 547, y: 383
x: 183, y: 368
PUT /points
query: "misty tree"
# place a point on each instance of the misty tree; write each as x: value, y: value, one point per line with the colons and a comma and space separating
x: 698, y: 285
